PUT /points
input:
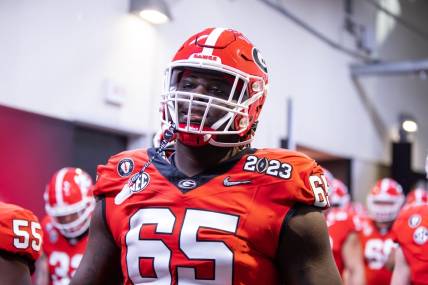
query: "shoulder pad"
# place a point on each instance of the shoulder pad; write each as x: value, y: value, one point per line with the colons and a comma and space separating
x: 300, y: 176
x: 20, y: 232
x: 112, y: 176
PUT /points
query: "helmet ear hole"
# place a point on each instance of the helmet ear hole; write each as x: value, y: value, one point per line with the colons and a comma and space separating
x: 245, y: 57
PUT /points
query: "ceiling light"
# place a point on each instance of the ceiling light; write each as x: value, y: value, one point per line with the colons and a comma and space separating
x: 153, y: 11
x: 409, y: 126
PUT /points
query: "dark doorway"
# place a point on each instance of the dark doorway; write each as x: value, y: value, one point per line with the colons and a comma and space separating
x: 93, y: 147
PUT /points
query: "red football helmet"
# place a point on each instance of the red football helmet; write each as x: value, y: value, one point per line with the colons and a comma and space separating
x: 234, y: 95
x: 385, y: 200
x: 69, y: 201
x: 339, y: 194
x: 418, y: 195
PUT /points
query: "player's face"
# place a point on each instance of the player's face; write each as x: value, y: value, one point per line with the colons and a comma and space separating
x: 67, y: 218
x: 212, y: 84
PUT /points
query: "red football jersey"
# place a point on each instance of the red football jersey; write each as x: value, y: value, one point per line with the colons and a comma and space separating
x: 411, y: 232
x: 376, y: 248
x: 341, y: 222
x: 20, y: 232
x: 63, y: 255
x: 222, y: 225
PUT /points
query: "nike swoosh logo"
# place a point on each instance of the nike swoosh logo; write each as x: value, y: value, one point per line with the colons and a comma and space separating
x: 228, y: 183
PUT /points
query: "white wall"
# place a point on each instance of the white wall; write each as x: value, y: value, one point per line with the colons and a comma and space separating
x: 407, y: 94
x: 56, y: 55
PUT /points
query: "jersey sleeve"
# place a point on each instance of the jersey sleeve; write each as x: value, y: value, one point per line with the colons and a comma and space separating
x: 309, y: 185
x: 394, y: 235
x: 112, y: 176
x: 20, y: 233
x: 108, y: 182
x: 399, y: 226
x: 306, y: 184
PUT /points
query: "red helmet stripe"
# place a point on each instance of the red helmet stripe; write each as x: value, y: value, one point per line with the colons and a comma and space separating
x: 212, y: 40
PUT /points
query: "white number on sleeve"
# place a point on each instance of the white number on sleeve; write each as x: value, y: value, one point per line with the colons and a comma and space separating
x: 22, y: 239
x: 22, y: 236
x: 37, y: 242
x: 317, y: 184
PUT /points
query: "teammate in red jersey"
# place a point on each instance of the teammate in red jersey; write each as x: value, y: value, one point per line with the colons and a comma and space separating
x: 216, y: 211
x: 20, y: 244
x: 410, y: 231
x: 343, y: 225
x: 418, y: 195
x: 411, y: 258
x: 69, y: 204
x: 383, y: 202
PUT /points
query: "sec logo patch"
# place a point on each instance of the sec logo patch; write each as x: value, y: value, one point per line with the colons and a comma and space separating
x: 140, y: 181
x: 125, y: 167
x: 420, y: 236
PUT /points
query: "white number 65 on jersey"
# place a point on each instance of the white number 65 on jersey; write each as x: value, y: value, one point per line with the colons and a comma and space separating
x: 164, y: 220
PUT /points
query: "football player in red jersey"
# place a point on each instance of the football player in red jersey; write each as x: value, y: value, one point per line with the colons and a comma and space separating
x: 20, y: 244
x: 411, y: 257
x: 383, y: 203
x: 410, y: 231
x: 417, y: 195
x: 343, y: 225
x: 69, y: 204
x: 216, y: 211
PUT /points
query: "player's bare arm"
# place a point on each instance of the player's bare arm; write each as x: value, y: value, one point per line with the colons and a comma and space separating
x: 14, y: 270
x: 101, y: 262
x: 41, y: 273
x: 304, y: 251
x: 401, y: 274
x: 353, y: 259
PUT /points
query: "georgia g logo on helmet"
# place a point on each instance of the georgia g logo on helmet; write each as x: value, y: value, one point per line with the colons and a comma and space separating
x: 259, y: 60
